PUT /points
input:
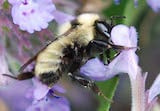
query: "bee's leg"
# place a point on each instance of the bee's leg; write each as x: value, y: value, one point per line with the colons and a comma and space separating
x: 87, y: 83
x: 109, y: 45
x: 22, y: 76
x: 76, y: 58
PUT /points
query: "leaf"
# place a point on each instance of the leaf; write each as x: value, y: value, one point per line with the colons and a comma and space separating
x: 108, y: 88
x: 116, y: 10
x: 5, y: 5
x: 134, y: 14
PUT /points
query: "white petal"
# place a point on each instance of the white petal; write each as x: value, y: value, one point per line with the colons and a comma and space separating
x: 123, y: 35
x: 125, y: 62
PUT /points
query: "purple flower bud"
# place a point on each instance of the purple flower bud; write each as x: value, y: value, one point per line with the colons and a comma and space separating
x: 154, y: 4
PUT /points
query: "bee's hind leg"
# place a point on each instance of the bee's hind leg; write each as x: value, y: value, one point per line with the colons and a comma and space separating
x: 87, y: 83
x: 22, y: 76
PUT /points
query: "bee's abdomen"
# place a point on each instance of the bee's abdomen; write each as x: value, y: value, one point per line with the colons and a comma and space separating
x: 48, y: 63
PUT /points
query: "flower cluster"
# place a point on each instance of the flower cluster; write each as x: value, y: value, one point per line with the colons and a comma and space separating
x: 33, y: 97
x: 34, y: 15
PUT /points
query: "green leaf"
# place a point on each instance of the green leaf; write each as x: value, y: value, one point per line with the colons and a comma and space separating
x: 116, y: 10
x: 108, y: 88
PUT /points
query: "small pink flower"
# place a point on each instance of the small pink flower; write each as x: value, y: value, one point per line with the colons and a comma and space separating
x: 32, y: 15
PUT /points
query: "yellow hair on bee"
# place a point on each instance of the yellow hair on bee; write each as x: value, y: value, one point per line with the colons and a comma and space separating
x: 64, y: 28
x: 88, y: 19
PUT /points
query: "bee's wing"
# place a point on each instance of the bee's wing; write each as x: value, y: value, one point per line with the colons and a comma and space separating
x: 35, y: 56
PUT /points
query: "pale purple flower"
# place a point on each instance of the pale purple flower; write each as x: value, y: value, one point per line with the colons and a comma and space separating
x: 44, y: 98
x: 32, y: 15
x: 40, y: 90
x: 154, y: 89
x: 154, y: 4
x: 94, y: 69
x: 33, y: 97
x: 14, y: 95
x: 125, y: 62
x: 144, y: 100
x: 50, y: 104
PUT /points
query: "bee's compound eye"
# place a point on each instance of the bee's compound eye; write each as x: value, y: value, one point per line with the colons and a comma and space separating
x: 103, y: 29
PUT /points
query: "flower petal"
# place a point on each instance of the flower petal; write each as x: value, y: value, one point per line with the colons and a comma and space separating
x: 32, y: 15
x: 123, y: 35
x: 154, y: 89
x: 40, y: 90
x: 94, y: 69
x: 125, y: 62
x: 154, y: 4
x: 50, y: 104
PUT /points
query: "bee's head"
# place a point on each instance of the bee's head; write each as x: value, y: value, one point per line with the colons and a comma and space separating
x: 103, y: 28
x: 91, y: 19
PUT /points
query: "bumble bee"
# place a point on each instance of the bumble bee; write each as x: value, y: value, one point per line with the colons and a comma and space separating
x: 71, y: 50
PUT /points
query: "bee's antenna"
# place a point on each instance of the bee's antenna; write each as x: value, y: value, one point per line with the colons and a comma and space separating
x: 112, y: 18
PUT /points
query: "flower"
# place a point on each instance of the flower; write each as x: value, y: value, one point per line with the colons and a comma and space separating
x: 94, y: 69
x: 154, y: 90
x: 32, y: 15
x: 33, y: 97
x: 50, y: 104
x: 125, y: 62
x: 14, y: 92
x: 45, y: 99
x: 154, y: 4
